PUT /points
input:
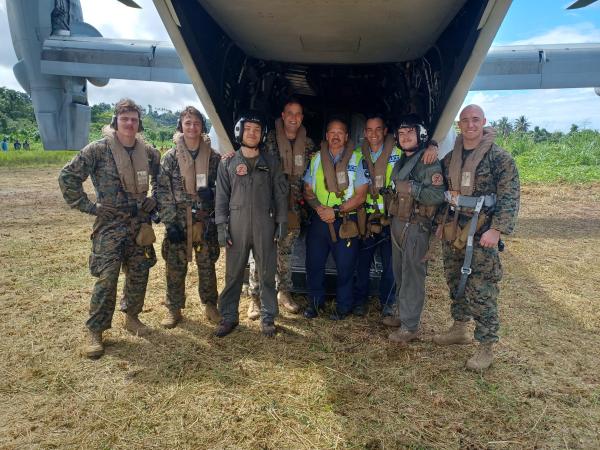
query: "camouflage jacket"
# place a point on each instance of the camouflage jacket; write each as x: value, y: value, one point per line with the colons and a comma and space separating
x: 171, y: 191
x: 496, y: 174
x: 96, y: 161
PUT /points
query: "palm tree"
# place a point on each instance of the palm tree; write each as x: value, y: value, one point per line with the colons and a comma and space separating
x: 504, y: 126
x: 522, y: 124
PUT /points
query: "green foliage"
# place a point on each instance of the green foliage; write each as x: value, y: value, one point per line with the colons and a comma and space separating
x: 36, y: 157
x: 555, y: 157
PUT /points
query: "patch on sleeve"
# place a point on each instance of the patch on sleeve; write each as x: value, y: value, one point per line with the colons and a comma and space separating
x: 437, y: 179
x: 241, y: 169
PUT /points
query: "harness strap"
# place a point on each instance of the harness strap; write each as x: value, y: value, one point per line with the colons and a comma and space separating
x: 466, y: 270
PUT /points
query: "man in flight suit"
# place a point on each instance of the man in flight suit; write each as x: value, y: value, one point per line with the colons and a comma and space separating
x: 251, y: 214
x: 418, y: 190
x: 122, y: 167
x: 379, y: 157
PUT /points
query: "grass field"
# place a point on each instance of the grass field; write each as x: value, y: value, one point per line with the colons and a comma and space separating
x: 317, y: 384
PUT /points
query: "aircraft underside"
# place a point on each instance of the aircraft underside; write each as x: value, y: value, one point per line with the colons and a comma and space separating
x: 243, y: 74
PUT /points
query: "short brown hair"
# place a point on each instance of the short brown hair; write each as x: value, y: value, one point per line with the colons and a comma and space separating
x: 127, y: 105
x: 192, y: 111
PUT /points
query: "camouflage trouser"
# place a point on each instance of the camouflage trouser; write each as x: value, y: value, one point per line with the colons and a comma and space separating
x: 175, y: 256
x: 481, y: 293
x: 113, y: 247
x: 283, y: 278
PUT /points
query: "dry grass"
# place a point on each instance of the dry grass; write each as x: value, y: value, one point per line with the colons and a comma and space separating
x: 317, y: 384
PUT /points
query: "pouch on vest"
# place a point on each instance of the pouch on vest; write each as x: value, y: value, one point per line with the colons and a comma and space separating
x: 145, y: 236
x: 361, y: 214
x: 374, y: 224
x: 389, y: 203
x: 197, y: 232
x: 427, y: 211
x: 348, y: 229
x: 461, y: 240
x: 404, y: 201
x: 293, y: 220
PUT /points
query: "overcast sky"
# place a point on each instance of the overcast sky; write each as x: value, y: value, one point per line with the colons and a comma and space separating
x: 551, y: 24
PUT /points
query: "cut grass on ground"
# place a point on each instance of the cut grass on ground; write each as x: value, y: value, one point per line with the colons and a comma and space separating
x: 317, y: 384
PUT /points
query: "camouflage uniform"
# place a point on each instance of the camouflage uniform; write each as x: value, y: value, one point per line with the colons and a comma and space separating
x: 173, y: 201
x: 285, y: 248
x: 113, y: 242
x: 496, y: 173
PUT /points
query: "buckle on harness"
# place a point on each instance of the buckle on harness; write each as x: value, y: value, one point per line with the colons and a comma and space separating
x: 466, y: 270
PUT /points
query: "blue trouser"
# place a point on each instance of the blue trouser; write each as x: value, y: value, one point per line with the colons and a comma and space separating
x: 387, y: 285
x: 318, y: 246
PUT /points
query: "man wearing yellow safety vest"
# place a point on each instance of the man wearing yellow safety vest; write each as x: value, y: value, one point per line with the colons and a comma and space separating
x: 335, y: 185
x: 379, y: 156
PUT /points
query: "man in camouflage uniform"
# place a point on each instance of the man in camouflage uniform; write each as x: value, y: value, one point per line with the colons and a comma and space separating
x: 418, y: 190
x: 186, y: 199
x: 289, y: 143
x: 119, y: 164
x: 480, y: 176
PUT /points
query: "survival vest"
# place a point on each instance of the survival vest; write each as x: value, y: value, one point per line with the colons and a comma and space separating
x: 379, y: 173
x: 133, y: 169
x: 348, y: 165
x: 194, y: 172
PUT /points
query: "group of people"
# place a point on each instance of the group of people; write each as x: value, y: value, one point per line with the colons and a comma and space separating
x: 387, y: 196
x: 16, y: 144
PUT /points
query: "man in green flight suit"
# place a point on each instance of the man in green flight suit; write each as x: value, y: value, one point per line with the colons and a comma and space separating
x: 418, y: 190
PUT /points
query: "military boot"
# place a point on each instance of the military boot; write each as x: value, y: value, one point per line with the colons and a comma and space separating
x: 212, y: 313
x: 173, y: 318
x: 403, y: 336
x: 482, y: 359
x: 285, y: 299
x: 254, y: 308
x: 458, y: 333
x: 134, y: 325
x: 268, y: 329
x: 94, y: 349
x: 391, y: 321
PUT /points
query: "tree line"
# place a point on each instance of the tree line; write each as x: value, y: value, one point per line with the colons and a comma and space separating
x: 17, y: 119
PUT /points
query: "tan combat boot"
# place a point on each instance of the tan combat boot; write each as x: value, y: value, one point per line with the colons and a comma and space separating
x: 285, y: 299
x: 173, y: 318
x: 212, y: 313
x: 391, y: 321
x: 254, y: 308
x: 94, y: 349
x: 457, y: 334
x: 403, y: 336
x: 482, y: 359
x: 134, y: 325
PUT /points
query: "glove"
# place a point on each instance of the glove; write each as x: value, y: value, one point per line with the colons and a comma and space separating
x: 223, y: 235
x: 148, y: 205
x: 105, y: 212
x: 206, y: 196
x: 175, y: 234
x: 280, y: 232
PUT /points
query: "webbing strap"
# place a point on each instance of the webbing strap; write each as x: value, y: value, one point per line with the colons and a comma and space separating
x: 466, y: 270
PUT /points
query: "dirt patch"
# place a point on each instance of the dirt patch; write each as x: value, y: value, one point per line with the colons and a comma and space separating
x: 318, y: 384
